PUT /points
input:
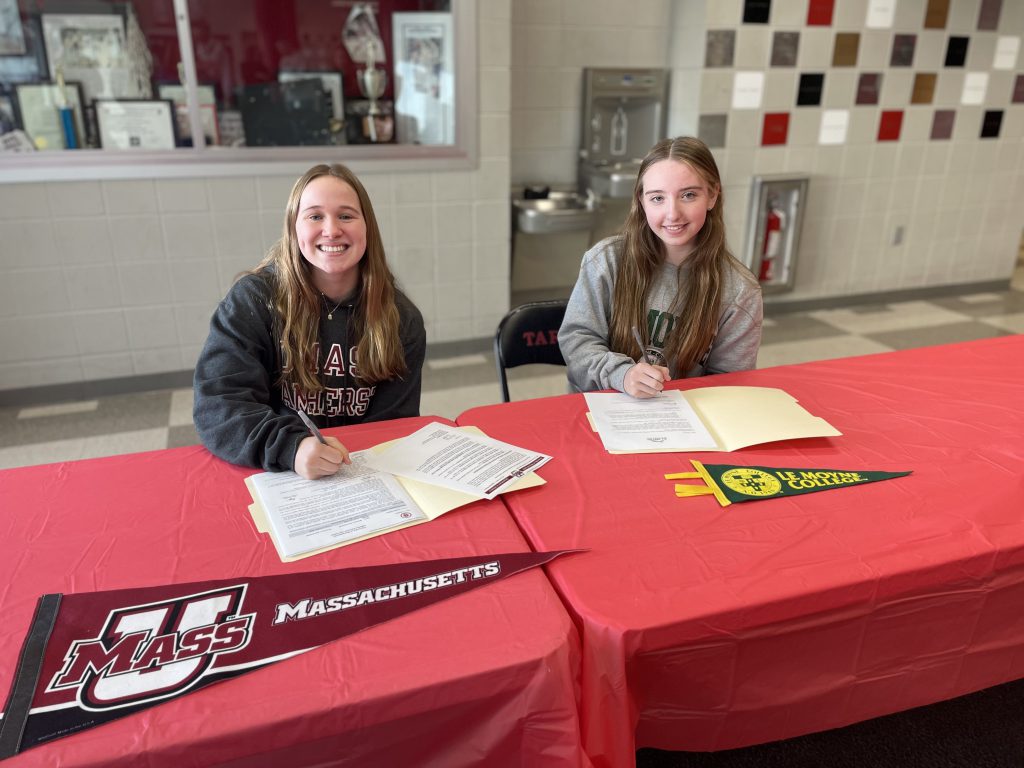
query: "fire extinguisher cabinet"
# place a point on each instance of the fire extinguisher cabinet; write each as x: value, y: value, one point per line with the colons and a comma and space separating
x: 773, y: 229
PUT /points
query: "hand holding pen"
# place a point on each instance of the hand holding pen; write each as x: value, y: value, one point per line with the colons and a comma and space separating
x: 318, y: 456
x: 644, y: 379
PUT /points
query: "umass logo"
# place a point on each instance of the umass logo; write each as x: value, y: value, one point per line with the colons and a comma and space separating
x: 154, y: 651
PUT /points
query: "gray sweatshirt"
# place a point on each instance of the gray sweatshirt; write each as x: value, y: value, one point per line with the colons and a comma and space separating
x: 583, y: 337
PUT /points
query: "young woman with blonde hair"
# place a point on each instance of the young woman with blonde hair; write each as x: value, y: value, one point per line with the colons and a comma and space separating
x: 668, y: 278
x: 318, y: 326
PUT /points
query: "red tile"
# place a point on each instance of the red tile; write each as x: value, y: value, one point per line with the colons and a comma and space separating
x: 890, y: 124
x: 776, y: 128
x: 819, y: 13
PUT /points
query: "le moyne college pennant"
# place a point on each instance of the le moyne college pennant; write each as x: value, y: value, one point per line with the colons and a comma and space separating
x: 730, y: 483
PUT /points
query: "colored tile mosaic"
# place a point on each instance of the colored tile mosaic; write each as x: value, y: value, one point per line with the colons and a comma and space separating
x: 721, y: 48
x: 809, y: 92
x: 936, y: 14
x: 942, y: 124
x: 889, y: 124
x: 776, y: 128
x: 924, y: 88
x: 869, y: 86
x: 819, y: 13
x: 903, y: 50
x: 784, y: 48
x: 956, y: 51
x: 756, y: 11
x: 991, y: 124
x: 988, y: 14
x: 845, y: 52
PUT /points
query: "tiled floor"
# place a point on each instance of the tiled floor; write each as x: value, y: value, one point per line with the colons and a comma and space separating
x: 151, y: 420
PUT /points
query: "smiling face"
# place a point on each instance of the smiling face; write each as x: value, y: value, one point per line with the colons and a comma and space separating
x: 676, y: 200
x: 331, y: 234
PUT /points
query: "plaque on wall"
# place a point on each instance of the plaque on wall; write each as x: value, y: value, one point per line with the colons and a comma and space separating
x: 291, y: 114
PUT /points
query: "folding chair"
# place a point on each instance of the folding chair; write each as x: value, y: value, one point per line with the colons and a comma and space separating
x: 528, y: 334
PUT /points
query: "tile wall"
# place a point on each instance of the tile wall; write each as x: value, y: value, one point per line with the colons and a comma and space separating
x: 110, y: 279
x: 907, y: 118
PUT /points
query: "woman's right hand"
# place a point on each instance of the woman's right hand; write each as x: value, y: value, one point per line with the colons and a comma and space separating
x: 643, y: 380
x: 314, y: 459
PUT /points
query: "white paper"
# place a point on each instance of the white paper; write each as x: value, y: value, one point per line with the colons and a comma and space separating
x: 880, y: 14
x: 834, y: 123
x: 975, y: 85
x: 666, y: 423
x: 747, y: 89
x: 1007, y: 49
x: 448, y: 457
x: 310, y: 514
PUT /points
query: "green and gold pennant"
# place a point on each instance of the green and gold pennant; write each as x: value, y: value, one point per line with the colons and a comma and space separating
x: 730, y: 483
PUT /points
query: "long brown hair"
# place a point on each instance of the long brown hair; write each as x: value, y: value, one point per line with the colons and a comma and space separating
x: 297, y: 301
x: 643, y: 253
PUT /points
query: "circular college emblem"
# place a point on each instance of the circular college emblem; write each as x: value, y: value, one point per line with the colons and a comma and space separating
x: 751, y: 482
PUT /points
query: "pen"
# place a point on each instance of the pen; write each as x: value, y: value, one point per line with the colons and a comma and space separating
x: 311, y: 426
x: 643, y: 347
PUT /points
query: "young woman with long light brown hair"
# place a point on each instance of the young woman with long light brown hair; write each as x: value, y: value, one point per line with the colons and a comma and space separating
x: 667, y: 277
x: 319, y: 327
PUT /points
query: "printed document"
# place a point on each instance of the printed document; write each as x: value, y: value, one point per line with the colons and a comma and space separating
x: 701, y: 419
x: 305, y: 515
x: 451, y: 458
x: 664, y: 423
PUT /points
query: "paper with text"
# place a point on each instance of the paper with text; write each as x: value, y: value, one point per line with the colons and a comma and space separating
x: 451, y: 458
x: 305, y: 515
x: 733, y: 418
x: 666, y: 423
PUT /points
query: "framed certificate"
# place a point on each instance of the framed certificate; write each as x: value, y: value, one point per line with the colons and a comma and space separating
x: 39, y: 113
x: 136, y: 123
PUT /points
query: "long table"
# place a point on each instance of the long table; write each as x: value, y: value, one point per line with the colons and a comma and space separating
x: 707, y: 628
x: 485, y: 678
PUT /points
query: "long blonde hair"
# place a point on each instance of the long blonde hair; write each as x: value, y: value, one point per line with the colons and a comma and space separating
x: 643, y: 254
x: 297, y: 301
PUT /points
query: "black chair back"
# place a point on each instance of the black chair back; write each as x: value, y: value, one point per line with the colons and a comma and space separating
x: 528, y: 334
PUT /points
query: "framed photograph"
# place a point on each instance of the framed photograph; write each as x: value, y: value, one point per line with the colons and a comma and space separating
x: 207, y: 112
x: 145, y: 124
x: 331, y: 82
x: 30, y: 65
x: 90, y: 49
x: 424, y: 78
x: 39, y: 112
x: 12, y: 39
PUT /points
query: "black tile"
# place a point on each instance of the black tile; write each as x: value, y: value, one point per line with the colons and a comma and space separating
x: 756, y: 11
x: 1003, y: 303
x: 182, y: 436
x: 796, y: 326
x: 956, y: 51
x: 991, y: 123
x: 809, y: 93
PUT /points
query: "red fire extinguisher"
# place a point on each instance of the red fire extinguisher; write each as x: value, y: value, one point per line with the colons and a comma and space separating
x: 775, y: 222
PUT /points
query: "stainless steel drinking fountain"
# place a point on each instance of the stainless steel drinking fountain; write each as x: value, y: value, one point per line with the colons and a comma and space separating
x: 625, y: 112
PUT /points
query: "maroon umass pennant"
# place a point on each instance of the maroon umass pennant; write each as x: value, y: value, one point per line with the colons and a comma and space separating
x: 96, y: 656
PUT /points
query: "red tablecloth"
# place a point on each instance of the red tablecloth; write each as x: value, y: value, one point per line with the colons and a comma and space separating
x: 707, y: 628
x: 485, y: 678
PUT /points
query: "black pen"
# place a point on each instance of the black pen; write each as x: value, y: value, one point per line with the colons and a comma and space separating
x: 311, y: 426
